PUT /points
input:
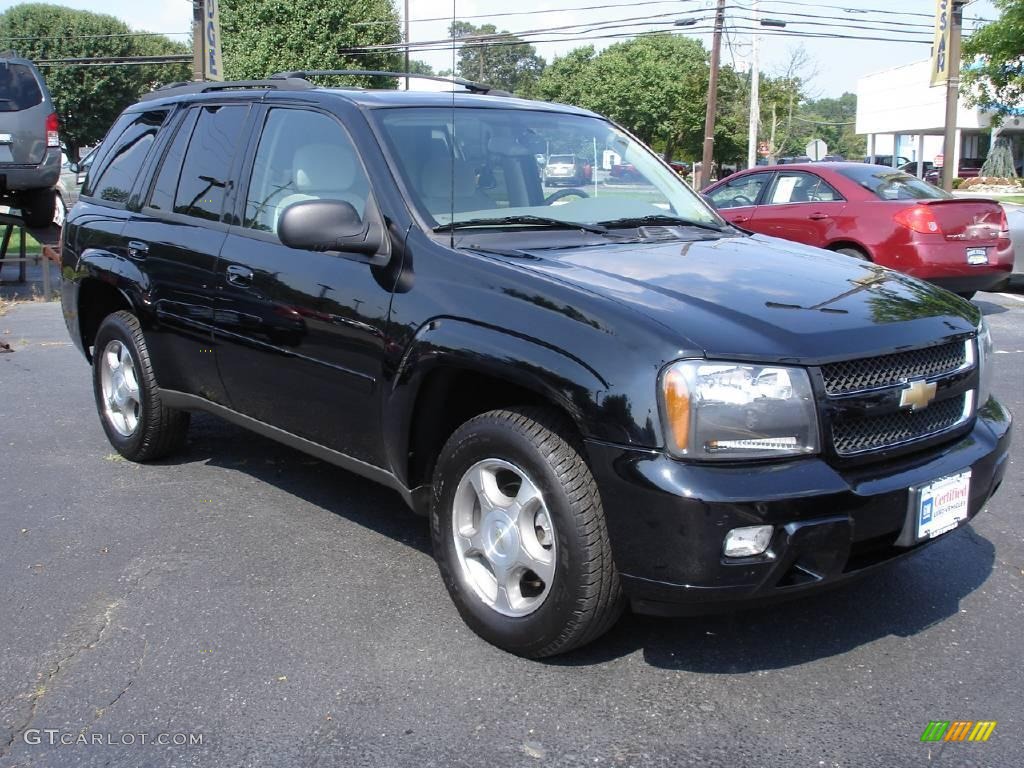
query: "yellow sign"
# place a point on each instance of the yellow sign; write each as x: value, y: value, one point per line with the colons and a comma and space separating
x: 213, y: 60
x: 940, y: 48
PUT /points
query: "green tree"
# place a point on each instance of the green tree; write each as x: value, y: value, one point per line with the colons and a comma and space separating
x: 88, y: 99
x: 260, y: 37
x: 832, y: 121
x: 994, y: 76
x: 655, y: 85
x: 499, y: 58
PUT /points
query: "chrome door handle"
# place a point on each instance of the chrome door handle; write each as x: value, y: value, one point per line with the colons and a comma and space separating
x: 240, y: 276
x: 137, y: 249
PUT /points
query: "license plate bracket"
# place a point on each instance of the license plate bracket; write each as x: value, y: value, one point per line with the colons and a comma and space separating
x: 977, y: 256
x: 937, y: 507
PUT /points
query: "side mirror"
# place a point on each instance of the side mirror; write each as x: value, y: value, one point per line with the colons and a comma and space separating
x: 74, y: 166
x: 329, y: 225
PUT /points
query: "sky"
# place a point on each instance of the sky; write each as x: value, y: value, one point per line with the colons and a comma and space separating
x: 838, y: 62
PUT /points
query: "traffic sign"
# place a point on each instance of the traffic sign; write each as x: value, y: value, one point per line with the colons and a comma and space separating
x: 817, y: 149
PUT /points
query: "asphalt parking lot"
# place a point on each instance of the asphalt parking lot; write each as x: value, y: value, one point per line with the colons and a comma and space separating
x: 290, y: 614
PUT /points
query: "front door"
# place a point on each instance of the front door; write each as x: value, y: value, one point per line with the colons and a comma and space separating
x: 300, y: 333
x: 736, y: 199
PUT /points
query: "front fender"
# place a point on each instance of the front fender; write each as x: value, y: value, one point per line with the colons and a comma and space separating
x: 554, y: 374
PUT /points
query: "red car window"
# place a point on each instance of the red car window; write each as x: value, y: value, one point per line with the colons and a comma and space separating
x: 799, y: 187
x: 739, y: 192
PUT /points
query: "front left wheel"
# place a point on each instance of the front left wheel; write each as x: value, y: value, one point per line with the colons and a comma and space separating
x: 519, y: 533
x: 135, y: 419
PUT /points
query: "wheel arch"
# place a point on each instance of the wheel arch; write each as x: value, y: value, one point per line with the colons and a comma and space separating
x: 98, y: 299
x: 455, y: 370
x: 837, y: 244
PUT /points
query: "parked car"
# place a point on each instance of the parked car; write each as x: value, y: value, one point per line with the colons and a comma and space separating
x: 567, y: 169
x: 968, y: 169
x: 911, y: 168
x: 793, y: 160
x: 617, y: 400
x: 69, y: 186
x: 833, y: 159
x: 29, y: 141
x: 683, y: 169
x: 878, y: 214
x: 886, y: 160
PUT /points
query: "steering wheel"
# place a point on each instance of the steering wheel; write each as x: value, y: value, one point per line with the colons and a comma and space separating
x: 556, y: 196
x: 741, y: 200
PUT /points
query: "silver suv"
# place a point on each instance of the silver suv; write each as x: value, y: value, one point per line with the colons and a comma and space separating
x: 29, y: 142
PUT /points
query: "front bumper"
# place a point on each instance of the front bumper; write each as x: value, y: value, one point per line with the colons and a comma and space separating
x: 667, y: 519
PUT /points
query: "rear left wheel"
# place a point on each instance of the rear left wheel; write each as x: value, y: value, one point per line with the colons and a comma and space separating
x: 519, y: 534
x: 135, y: 419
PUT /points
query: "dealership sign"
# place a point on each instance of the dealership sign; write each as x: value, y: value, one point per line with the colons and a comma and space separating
x: 213, y: 60
x: 940, y: 48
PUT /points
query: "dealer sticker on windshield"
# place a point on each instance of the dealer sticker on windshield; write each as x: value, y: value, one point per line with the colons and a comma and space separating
x: 942, y: 505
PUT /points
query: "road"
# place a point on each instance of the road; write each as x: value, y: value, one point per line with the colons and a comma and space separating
x: 289, y: 614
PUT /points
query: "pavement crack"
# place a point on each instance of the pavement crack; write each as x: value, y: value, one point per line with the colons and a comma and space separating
x: 55, y: 669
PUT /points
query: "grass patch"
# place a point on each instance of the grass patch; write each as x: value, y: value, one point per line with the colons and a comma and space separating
x: 1018, y: 199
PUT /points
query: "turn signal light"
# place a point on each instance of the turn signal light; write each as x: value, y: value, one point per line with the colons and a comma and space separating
x: 677, y: 408
x: 52, y: 130
x: 919, y: 218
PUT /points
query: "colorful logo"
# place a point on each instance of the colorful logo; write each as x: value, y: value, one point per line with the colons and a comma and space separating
x: 958, y: 730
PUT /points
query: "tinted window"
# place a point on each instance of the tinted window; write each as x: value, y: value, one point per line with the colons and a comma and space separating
x: 207, y: 165
x: 166, y: 183
x: 739, y: 192
x: 302, y: 155
x: 114, y: 177
x: 892, y: 185
x: 18, y: 88
x: 795, y: 187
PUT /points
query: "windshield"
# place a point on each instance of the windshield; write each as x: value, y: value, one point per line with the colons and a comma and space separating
x: 891, y: 184
x: 480, y: 164
x: 18, y: 88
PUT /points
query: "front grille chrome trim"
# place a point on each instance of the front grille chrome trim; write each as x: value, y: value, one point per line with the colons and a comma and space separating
x: 969, y: 362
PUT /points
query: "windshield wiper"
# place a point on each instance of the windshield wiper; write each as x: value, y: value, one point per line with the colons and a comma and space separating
x: 655, y: 220
x: 543, y: 221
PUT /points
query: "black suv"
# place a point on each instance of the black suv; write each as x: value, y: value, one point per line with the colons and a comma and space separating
x: 600, y: 395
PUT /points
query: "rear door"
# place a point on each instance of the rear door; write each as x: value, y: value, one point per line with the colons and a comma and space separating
x: 24, y: 107
x: 737, y: 198
x: 301, y: 334
x: 176, y: 238
x: 799, y: 206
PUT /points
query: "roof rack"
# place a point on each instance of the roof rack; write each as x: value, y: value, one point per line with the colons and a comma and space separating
x: 275, y: 83
x: 469, y: 85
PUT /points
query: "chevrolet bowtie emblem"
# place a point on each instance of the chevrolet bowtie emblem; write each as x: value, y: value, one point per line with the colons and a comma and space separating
x: 917, y: 394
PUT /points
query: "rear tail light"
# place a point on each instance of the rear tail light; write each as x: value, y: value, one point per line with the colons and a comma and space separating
x: 52, y: 130
x: 919, y: 218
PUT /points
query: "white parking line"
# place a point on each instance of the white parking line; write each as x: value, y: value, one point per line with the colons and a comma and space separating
x: 1011, y: 296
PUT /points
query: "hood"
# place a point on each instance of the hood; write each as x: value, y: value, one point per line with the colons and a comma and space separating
x: 761, y: 298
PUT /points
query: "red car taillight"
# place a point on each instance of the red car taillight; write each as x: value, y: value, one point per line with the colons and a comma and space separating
x: 918, y: 218
x: 52, y: 130
x: 1004, y: 231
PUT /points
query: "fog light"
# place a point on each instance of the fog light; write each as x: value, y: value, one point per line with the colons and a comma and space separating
x: 749, y: 541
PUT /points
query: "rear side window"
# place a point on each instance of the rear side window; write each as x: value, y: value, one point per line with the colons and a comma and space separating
x: 133, y: 136
x: 19, y: 88
x: 797, y: 187
x: 892, y: 185
x: 207, y: 164
x: 166, y: 185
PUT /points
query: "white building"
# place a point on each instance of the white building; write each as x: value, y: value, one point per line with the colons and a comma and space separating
x: 904, y: 116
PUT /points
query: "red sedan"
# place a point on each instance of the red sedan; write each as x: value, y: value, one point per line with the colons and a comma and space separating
x: 875, y: 213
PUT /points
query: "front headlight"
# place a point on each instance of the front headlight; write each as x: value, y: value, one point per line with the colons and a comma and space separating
x: 732, y: 411
x: 985, y: 355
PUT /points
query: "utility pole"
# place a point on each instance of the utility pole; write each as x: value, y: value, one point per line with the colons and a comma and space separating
x: 709, y: 119
x: 198, y: 28
x: 949, y: 159
x: 755, y: 94
x: 407, y: 45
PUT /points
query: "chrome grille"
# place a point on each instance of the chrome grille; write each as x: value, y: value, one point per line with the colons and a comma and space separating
x: 888, y: 370
x: 856, y: 434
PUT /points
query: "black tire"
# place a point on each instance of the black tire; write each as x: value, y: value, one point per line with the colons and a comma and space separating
x: 857, y: 253
x: 585, y: 597
x: 160, y: 431
x: 38, y: 207
x: 966, y: 294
